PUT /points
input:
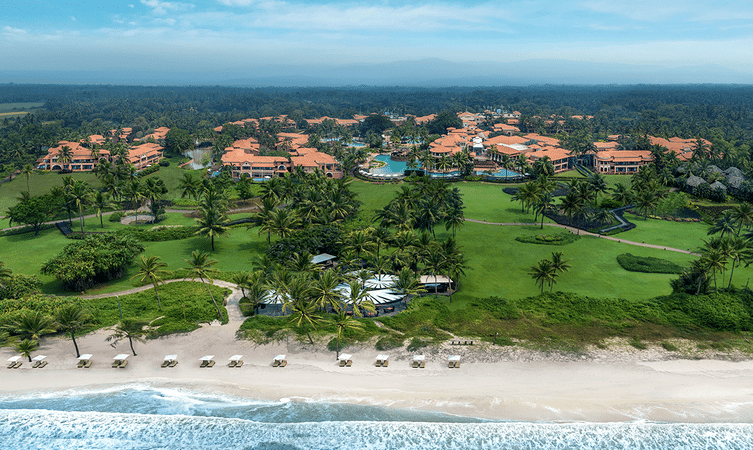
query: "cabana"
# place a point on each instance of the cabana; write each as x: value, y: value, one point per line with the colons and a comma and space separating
x: 207, y: 361
x: 119, y: 361
x: 345, y: 360
x: 15, y: 362
x: 279, y: 361
x: 436, y: 283
x: 382, y: 360
x: 324, y: 260
x: 235, y: 361
x: 170, y: 361
x: 453, y: 362
x: 39, y: 361
x: 419, y: 361
x: 84, y: 361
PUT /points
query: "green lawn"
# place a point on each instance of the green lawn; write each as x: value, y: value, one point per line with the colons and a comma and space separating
x: 684, y: 235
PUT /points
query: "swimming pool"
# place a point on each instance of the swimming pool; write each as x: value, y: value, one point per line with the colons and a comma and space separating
x: 500, y: 173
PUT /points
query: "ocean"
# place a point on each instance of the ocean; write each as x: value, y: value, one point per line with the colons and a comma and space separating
x: 142, y: 416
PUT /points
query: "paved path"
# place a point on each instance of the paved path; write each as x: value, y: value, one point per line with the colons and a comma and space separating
x: 586, y: 233
x: 233, y: 310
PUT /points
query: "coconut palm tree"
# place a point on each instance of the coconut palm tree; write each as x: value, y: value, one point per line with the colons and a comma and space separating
x: 303, y: 308
x: 80, y: 194
x: 325, y: 292
x: 72, y: 318
x: 65, y: 154
x: 559, y: 264
x: 101, y: 200
x: 130, y: 329
x: 189, y: 186
x: 725, y: 224
x: 743, y: 216
x: 343, y: 323
x: 151, y: 269
x: 622, y: 194
x: 714, y: 260
x: 212, y: 221
x: 26, y: 347
x: 358, y: 296
x: 243, y: 281
x: 543, y: 272
x: 26, y: 171
x: 646, y: 201
x: 200, y: 266
x: 31, y: 325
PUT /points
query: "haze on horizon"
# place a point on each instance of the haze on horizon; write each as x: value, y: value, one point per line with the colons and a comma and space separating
x: 333, y: 42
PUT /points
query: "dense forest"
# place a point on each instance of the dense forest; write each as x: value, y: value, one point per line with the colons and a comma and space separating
x: 720, y: 113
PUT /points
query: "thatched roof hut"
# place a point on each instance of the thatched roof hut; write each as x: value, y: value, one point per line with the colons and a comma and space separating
x: 718, y: 185
x: 694, y: 181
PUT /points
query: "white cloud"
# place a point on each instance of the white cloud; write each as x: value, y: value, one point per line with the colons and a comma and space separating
x: 131, y: 6
x: 163, y: 7
x: 643, y: 10
x: 14, y: 33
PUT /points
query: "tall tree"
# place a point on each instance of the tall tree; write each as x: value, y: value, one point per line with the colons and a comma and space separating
x: 200, y: 266
x: 130, y: 329
x: 72, y: 318
x: 343, y: 323
x: 152, y: 269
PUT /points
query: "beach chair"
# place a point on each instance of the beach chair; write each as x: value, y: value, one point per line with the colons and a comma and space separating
x: 232, y: 363
x: 211, y: 363
x: 173, y: 363
x: 124, y: 364
x: 283, y: 363
x: 275, y: 363
x: 457, y: 364
x: 349, y: 363
x: 18, y: 364
x: 165, y: 363
x: 12, y: 365
x: 204, y: 363
x: 451, y: 364
x: 88, y: 364
x: 36, y: 364
x: 42, y: 364
x: 342, y: 363
x: 378, y: 363
x: 239, y: 363
x: 415, y: 364
x: 385, y: 363
x: 81, y: 363
x: 116, y: 364
x: 423, y: 364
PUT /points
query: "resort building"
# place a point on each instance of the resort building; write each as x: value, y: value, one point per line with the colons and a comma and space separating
x: 258, y: 167
x: 144, y: 155
x: 312, y: 161
x: 621, y: 162
x: 82, y: 159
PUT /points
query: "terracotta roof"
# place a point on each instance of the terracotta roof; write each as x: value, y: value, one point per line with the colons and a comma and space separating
x: 625, y: 155
x: 138, y: 150
x: 554, y: 153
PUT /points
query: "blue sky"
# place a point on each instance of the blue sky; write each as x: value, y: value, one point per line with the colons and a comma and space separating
x: 238, y: 35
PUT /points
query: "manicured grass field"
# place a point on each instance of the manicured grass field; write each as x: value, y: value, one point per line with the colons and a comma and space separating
x: 497, y: 264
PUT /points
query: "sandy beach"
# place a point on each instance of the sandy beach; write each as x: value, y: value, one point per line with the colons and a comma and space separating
x: 507, y: 383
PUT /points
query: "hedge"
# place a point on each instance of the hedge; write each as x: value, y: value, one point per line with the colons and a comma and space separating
x: 647, y: 264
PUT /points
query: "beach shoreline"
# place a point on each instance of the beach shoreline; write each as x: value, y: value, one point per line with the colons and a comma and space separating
x: 496, y: 383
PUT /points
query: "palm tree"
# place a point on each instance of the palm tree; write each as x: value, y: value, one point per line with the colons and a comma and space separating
x: 189, y: 186
x: 543, y: 272
x: 26, y: 171
x: 571, y: 204
x: 724, y: 224
x: 243, y: 281
x: 715, y: 261
x: 325, y: 292
x: 304, y: 310
x: 559, y: 264
x: 646, y: 202
x: 743, y: 216
x: 281, y: 222
x: 151, y: 269
x: 26, y: 347
x: 343, y: 322
x: 72, y: 318
x: 358, y: 296
x: 212, y: 222
x: 101, y: 200
x: 435, y: 261
x: 32, y: 325
x: 622, y: 194
x: 80, y: 193
x: 130, y: 329
x: 200, y: 266
x: 65, y: 154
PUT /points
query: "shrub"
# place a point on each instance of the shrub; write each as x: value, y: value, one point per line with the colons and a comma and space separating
x: 635, y: 342
x: 609, y: 203
x: 647, y: 264
x: 389, y: 342
x: 149, y: 170
x: 670, y: 347
x: 115, y: 217
x: 164, y: 163
x: 549, y: 239
x: 97, y: 258
x: 503, y: 309
x: 20, y: 285
x: 416, y: 344
x: 159, y: 233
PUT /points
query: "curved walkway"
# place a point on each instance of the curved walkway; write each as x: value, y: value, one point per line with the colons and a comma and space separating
x: 586, y: 233
x: 234, y: 314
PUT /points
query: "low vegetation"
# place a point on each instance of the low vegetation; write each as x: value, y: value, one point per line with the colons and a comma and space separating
x: 647, y: 264
x: 549, y: 239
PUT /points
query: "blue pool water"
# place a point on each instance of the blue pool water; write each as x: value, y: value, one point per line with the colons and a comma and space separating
x: 500, y: 173
x: 146, y: 417
x: 391, y: 167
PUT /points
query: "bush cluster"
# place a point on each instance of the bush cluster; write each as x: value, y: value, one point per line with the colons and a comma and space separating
x: 159, y: 234
x: 149, y: 170
x: 314, y: 239
x: 549, y: 239
x: 115, y: 217
x: 647, y: 264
